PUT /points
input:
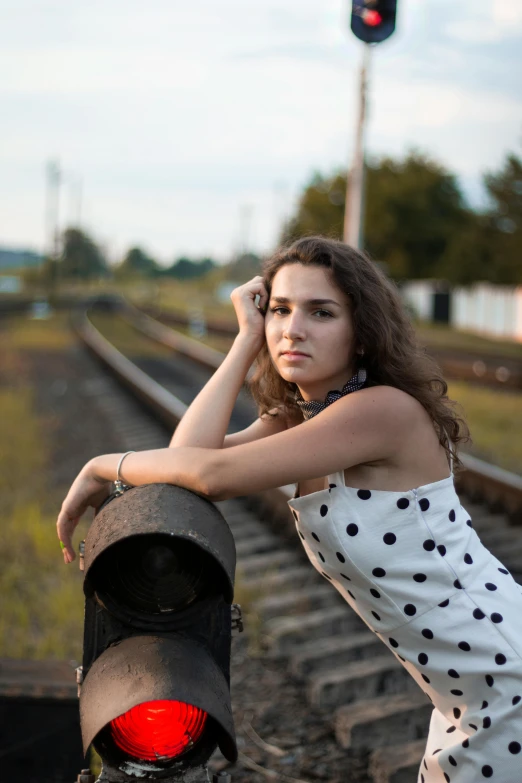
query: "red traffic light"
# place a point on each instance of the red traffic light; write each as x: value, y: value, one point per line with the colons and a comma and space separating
x: 373, y: 18
x: 158, y: 730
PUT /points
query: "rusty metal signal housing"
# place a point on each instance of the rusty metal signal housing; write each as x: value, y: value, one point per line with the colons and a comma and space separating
x: 159, y: 577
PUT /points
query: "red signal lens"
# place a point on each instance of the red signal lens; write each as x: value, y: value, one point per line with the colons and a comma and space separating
x: 158, y: 730
x: 372, y: 18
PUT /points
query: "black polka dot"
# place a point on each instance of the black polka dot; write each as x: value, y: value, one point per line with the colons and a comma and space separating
x: 436, y: 751
x: 346, y: 577
x: 394, y: 642
x: 503, y: 570
x: 451, y: 516
x: 429, y: 545
x: 427, y: 633
x: 314, y: 535
x: 301, y: 535
x: 478, y: 614
x: 341, y: 558
x: 423, y: 659
x: 424, y: 504
x: 454, y: 674
x: 389, y: 538
x: 351, y: 595
x: 465, y: 744
x: 496, y: 617
x: 489, y: 680
x: 402, y: 659
x: 500, y: 659
x: 457, y: 584
x: 491, y: 586
x: 425, y: 765
x: 426, y: 679
x: 456, y: 692
x: 410, y: 610
x: 352, y: 529
x: 441, y: 549
x: 375, y: 592
x: 451, y: 730
x: 473, y: 726
x: 379, y: 572
x: 451, y: 759
x: 468, y: 559
x: 364, y: 494
x: 323, y: 510
x: 447, y: 778
x: 332, y: 486
x: 469, y: 523
x: 375, y: 615
x: 295, y: 515
x: 464, y: 646
x: 487, y: 771
x: 456, y: 712
x: 486, y: 723
x: 483, y: 705
x: 326, y: 575
x: 516, y: 699
x: 403, y: 503
x: 321, y: 556
x: 444, y: 603
x: 420, y: 577
x: 514, y: 747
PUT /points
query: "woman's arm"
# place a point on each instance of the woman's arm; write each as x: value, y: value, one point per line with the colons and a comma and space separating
x: 359, y: 428
x: 206, y: 421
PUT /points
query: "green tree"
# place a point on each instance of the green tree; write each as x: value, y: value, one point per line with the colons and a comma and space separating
x: 186, y: 269
x: 413, y: 211
x: 137, y: 263
x: 81, y: 259
x: 505, y: 221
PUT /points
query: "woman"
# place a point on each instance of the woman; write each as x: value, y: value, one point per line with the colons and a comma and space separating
x: 407, y: 560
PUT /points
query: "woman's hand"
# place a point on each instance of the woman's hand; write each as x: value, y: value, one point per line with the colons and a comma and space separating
x: 87, y: 490
x: 250, y: 316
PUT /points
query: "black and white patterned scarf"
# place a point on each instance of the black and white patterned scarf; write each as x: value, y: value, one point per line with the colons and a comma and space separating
x: 311, y: 408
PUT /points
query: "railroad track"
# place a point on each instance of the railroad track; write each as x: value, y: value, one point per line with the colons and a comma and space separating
x: 376, y: 706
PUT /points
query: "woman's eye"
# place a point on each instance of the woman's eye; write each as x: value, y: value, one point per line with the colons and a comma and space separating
x: 323, y: 313
x: 279, y: 310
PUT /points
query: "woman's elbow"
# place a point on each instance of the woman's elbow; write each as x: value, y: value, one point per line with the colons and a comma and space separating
x: 213, y: 481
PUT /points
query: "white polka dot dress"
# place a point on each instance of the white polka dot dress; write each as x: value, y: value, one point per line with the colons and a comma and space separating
x: 414, y: 569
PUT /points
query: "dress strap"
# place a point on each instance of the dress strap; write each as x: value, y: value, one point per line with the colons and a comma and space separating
x: 337, y: 479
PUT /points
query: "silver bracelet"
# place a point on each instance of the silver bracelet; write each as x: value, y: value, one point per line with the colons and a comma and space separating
x: 119, y: 486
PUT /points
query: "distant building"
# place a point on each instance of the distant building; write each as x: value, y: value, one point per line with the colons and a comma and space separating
x: 19, y: 259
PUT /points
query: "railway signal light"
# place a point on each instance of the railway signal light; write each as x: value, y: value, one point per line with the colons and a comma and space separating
x: 159, y: 574
x: 373, y: 21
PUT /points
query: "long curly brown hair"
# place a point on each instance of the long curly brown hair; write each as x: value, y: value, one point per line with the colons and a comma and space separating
x: 392, y: 354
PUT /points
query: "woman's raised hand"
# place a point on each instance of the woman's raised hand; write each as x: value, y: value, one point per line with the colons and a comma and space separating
x: 250, y: 316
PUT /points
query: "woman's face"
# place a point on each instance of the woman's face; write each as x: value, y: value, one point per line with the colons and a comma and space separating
x: 309, y: 330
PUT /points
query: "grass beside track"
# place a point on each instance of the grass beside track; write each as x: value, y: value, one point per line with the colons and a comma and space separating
x: 42, y: 606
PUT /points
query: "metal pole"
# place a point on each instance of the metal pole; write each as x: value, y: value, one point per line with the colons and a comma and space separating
x: 354, y: 186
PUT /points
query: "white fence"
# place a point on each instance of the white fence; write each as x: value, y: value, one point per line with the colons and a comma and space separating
x: 492, y: 310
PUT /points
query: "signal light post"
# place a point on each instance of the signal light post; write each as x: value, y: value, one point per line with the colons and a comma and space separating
x: 155, y: 681
x: 372, y: 21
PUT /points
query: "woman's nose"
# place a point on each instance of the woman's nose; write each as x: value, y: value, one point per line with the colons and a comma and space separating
x: 294, y: 327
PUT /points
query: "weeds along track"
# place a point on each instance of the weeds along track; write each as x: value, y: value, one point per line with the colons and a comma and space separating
x: 378, y: 712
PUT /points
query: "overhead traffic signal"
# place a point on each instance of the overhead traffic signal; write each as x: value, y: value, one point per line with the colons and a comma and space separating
x: 159, y: 577
x: 373, y: 21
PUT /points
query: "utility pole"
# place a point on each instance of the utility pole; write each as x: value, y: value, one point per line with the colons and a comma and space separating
x: 372, y: 21
x: 353, y: 224
x: 52, y: 205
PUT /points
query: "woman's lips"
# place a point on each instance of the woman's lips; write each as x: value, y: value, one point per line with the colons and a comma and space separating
x: 294, y: 356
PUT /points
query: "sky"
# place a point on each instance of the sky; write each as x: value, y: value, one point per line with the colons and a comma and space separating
x: 192, y: 128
